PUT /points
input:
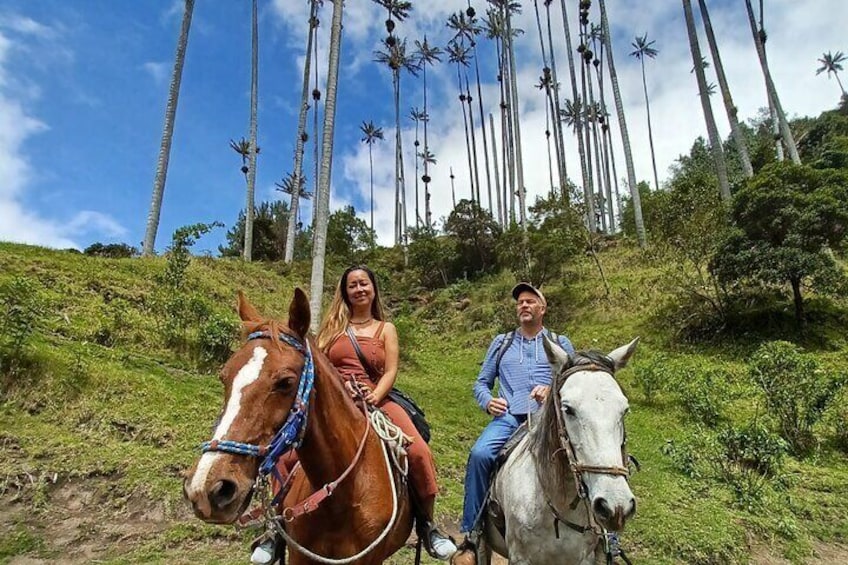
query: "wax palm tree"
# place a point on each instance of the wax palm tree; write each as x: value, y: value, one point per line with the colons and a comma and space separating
x: 396, y: 57
x: 418, y: 117
x: 428, y: 159
x: 371, y: 135
x: 572, y: 108
x: 427, y: 55
x: 585, y: 60
x: 254, y: 149
x: 167, y: 134
x: 547, y: 84
x: 759, y: 43
x: 459, y: 55
x: 510, y: 9
x: 712, y: 130
x: 602, y: 118
x: 642, y: 49
x: 832, y: 63
x: 301, y: 138
x: 622, y: 125
x: 730, y: 108
x: 322, y: 204
x: 465, y: 29
x: 555, y: 86
x: 495, y: 29
x: 289, y: 185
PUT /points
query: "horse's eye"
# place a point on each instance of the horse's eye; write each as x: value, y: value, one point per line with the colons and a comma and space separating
x: 285, y: 384
x: 569, y: 411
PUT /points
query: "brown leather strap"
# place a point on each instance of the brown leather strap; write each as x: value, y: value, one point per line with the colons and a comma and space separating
x: 379, y: 330
x: 314, y: 500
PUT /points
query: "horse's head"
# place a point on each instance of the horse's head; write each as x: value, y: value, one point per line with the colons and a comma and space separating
x: 261, y: 383
x: 590, y: 428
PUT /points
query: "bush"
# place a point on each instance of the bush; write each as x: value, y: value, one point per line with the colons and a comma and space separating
x: 748, y: 458
x: 705, y: 395
x: 111, y: 250
x: 216, y: 339
x: 22, y: 312
x: 797, y: 391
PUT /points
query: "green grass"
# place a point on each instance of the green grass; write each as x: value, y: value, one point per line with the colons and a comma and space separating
x: 119, y: 424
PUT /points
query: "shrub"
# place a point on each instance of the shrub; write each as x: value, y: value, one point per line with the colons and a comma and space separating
x: 705, y: 395
x: 22, y: 312
x: 797, y: 391
x: 111, y: 250
x: 748, y: 458
x: 216, y: 339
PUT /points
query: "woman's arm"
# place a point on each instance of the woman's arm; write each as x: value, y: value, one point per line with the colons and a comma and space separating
x: 387, y: 381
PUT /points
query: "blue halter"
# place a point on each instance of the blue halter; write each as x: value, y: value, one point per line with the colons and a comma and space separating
x: 291, y: 433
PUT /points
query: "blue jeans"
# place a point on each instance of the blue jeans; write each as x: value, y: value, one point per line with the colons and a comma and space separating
x: 480, y: 463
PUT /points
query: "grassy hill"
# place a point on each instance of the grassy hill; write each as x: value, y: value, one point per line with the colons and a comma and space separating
x: 106, y: 405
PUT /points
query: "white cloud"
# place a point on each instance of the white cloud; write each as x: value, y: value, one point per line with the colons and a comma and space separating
x: 157, y: 70
x: 18, y: 223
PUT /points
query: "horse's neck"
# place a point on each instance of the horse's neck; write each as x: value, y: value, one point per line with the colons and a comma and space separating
x: 334, y: 429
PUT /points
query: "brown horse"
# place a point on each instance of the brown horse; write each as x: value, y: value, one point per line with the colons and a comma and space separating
x: 262, y: 390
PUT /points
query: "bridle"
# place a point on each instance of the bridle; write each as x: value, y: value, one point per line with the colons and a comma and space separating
x: 597, y: 364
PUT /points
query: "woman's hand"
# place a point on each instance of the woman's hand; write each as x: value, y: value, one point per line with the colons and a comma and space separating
x: 375, y: 397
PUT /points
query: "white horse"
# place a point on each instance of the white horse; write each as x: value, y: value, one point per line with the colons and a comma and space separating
x: 564, y: 487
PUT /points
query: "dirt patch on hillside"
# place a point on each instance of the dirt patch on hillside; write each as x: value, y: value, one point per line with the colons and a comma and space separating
x: 79, y: 520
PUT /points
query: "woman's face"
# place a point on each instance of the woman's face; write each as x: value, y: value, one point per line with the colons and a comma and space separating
x: 359, y: 290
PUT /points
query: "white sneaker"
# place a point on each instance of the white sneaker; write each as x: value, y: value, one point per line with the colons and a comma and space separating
x: 264, y: 553
x: 442, y: 546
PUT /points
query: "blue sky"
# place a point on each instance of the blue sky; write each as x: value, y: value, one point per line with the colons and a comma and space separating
x: 83, y: 86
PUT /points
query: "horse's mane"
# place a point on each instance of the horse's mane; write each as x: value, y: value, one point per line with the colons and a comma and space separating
x: 544, y: 439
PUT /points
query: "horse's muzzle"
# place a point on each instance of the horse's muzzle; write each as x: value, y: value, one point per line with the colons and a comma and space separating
x: 613, y: 517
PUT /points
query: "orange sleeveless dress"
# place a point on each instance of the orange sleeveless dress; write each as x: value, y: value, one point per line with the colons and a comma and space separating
x: 422, y: 467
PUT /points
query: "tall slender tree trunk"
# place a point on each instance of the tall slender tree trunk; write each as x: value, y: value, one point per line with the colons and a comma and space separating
x: 549, y: 84
x: 622, y: 125
x: 563, y: 172
x: 462, y: 101
x: 322, y: 197
x: 251, y: 173
x: 495, y: 163
x: 712, y: 131
x: 300, y: 140
x: 516, y: 115
x: 316, y: 148
x: 469, y: 100
x: 576, y: 99
x: 729, y: 107
x: 371, y: 168
x: 650, y: 129
x: 398, y: 160
x: 785, y: 132
x: 506, y: 136
x: 415, y: 155
x: 483, y: 127
x: 426, y: 152
x: 588, y: 190
x: 153, y: 216
x: 604, y: 147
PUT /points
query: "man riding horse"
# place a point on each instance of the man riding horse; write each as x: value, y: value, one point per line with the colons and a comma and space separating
x: 517, y: 360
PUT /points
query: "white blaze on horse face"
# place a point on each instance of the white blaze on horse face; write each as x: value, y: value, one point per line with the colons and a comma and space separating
x: 597, y: 431
x: 246, y: 376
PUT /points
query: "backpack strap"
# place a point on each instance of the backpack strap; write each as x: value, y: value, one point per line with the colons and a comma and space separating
x: 507, y: 341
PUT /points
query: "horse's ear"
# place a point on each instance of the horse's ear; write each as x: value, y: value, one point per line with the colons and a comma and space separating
x: 299, y: 315
x: 557, y: 356
x: 246, y: 311
x: 623, y: 354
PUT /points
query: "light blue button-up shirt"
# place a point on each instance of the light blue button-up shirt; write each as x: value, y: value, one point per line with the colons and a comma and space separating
x: 523, y: 366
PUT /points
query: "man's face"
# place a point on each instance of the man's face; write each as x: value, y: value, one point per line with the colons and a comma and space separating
x: 529, y: 308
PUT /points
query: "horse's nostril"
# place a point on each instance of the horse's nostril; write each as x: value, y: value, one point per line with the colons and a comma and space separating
x: 602, y: 508
x: 222, y: 494
x: 631, y: 509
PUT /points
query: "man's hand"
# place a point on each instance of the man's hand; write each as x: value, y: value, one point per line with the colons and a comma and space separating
x: 496, y: 406
x: 540, y: 393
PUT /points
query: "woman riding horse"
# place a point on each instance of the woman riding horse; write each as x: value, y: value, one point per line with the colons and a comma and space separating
x: 357, y: 306
x: 346, y: 504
